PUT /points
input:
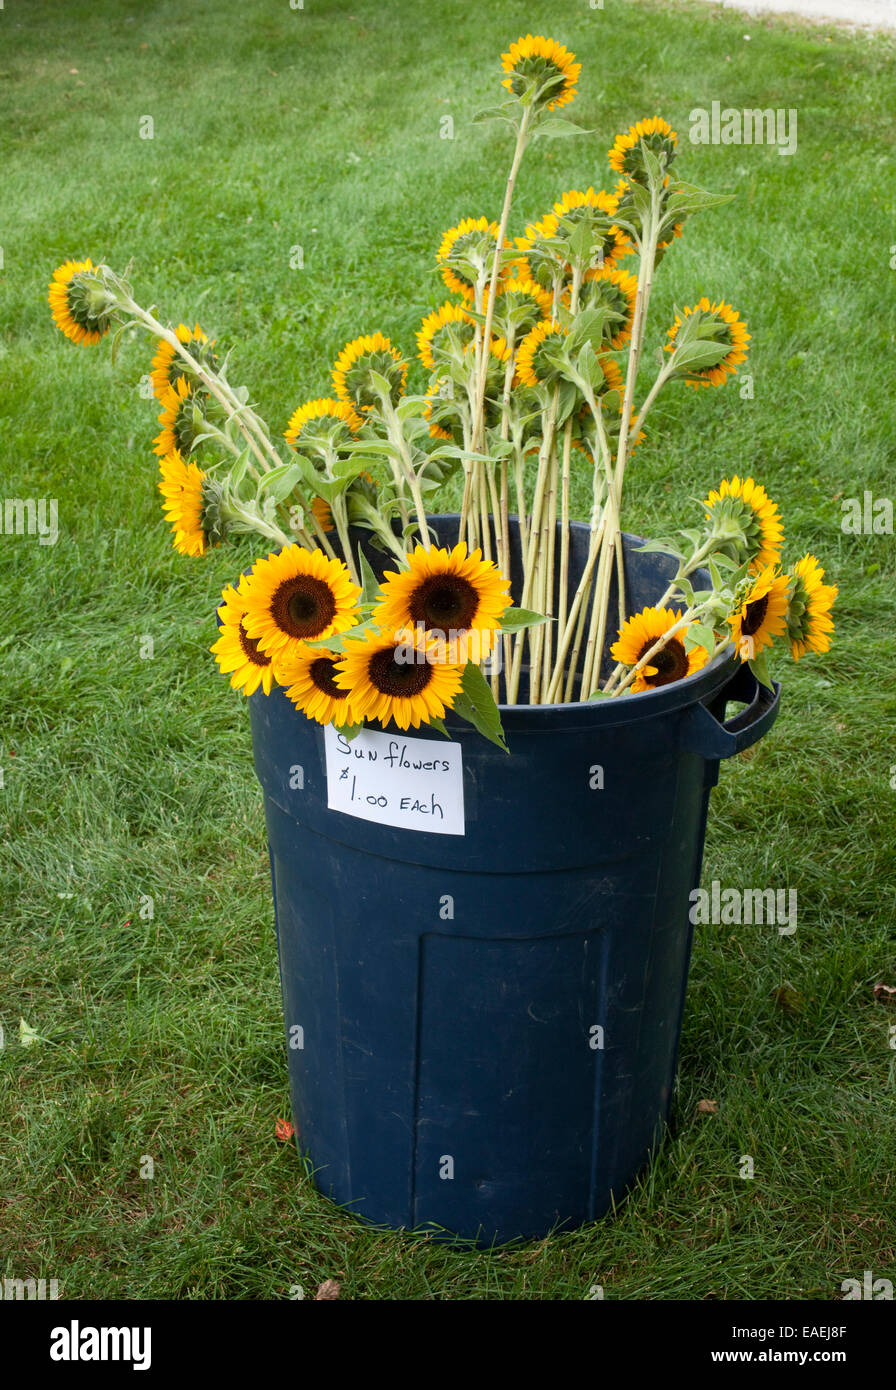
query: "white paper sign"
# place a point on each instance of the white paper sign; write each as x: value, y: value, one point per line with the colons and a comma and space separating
x: 414, y: 783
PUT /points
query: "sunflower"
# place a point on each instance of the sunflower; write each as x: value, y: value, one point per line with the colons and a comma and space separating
x: 750, y: 506
x: 166, y: 368
x: 468, y: 246
x: 809, y: 621
x: 326, y: 416
x: 235, y: 651
x: 81, y: 305
x: 181, y: 487
x: 612, y: 378
x: 671, y: 663
x: 761, y: 614
x: 544, y: 64
x: 734, y: 335
x: 296, y: 596
x: 440, y: 397
x: 613, y: 243
x: 659, y: 137
x: 444, y: 327
x: 531, y: 364
x: 178, y: 428
x: 387, y: 678
x: 449, y: 595
x: 322, y: 513
x: 351, y: 373
x: 616, y: 289
x: 521, y: 306
x: 310, y: 678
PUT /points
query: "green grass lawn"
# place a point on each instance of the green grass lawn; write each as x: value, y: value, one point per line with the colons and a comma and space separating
x: 127, y: 778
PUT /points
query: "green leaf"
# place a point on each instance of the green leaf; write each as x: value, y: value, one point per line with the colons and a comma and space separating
x: 476, y: 704
x: 239, y: 469
x: 699, y: 635
x: 439, y: 726
x: 554, y: 126
x: 349, y: 730
x: 370, y: 585
x: 411, y: 405
x: 334, y: 643
x: 507, y: 111
x: 659, y: 548
x: 27, y: 1035
x: 515, y: 619
x: 759, y: 667
x: 379, y: 383
x: 279, y: 483
x: 693, y: 357
x: 685, y: 586
x: 687, y: 197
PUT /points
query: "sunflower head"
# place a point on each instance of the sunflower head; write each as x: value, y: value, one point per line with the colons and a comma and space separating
x: 82, y: 305
x: 523, y: 304
x: 533, y: 362
x: 597, y: 209
x: 451, y: 597
x: 389, y: 676
x: 671, y: 663
x: 444, y: 336
x: 236, y: 653
x: 325, y: 420
x: 167, y: 367
x: 809, y: 622
x: 191, y: 503
x: 442, y: 411
x: 466, y: 254
x: 352, y: 379
x: 309, y: 675
x: 297, y: 596
x: 760, y: 612
x: 616, y: 289
x: 743, y: 507
x: 542, y: 69
x: 181, y: 418
x: 626, y: 157
x: 713, y: 324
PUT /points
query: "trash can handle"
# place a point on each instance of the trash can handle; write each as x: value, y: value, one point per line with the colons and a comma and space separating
x: 704, y: 733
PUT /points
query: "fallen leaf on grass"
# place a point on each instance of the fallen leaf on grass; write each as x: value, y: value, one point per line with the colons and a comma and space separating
x: 887, y: 993
x: 284, y: 1130
x: 707, y: 1107
x: 328, y: 1289
x: 786, y: 997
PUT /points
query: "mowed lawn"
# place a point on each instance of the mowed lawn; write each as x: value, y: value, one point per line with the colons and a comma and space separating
x: 127, y: 777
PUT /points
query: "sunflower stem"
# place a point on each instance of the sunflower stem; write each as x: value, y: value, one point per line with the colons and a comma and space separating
x: 687, y: 617
x: 522, y: 140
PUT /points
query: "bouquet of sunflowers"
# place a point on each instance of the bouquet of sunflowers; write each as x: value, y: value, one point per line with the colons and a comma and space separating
x: 533, y: 367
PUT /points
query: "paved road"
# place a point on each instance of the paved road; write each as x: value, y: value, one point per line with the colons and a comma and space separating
x: 879, y: 14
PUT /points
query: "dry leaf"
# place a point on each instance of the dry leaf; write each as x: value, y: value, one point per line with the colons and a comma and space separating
x: 328, y: 1289
x: 786, y: 997
x: 284, y: 1131
x: 707, y: 1107
x: 887, y: 993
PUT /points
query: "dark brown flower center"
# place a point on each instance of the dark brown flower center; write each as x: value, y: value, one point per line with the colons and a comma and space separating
x: 250, y: 647
x: 671, y: 662
x: 303, y: 606
x: 754, y: 617
x: 391, y: 675
x: 443, y: 602
x: 323, y: 676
